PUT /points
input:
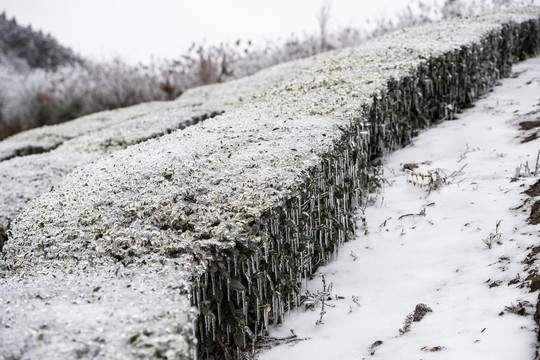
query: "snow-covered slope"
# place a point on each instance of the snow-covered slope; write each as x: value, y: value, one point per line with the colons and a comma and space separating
x: 228, y: 214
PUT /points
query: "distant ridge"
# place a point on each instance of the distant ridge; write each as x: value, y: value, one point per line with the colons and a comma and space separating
x: 33, y: 47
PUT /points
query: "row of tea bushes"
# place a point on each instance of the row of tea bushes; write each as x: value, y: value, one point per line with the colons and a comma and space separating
x: 308, y: 226
x: 59, y: 149
x: 239, y: 208
x: 26, y: 177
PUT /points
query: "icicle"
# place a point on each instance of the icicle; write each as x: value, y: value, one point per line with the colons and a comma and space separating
x: 198, y: 297
x: 248, y: 274
x: 265, y: 315
x: 245, y: 306
x: 206, y: 325
x: 258, y: 311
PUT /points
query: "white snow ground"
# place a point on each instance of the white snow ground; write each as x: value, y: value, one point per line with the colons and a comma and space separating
x: 440, y: 258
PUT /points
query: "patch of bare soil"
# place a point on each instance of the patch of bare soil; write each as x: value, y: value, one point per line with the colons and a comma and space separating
x: 530, y: 138
x: 3, y: 237
x: 374, y: 347
x: 528, y: 125
x: 534, y: 190
x: 537, y: 315
x: 534, y: 218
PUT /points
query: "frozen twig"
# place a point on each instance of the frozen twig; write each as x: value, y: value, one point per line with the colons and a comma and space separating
x: 458, y: 172
x: 270, y: 341
x: 537, y: 165
x: 421, y: 213
x: 323, y: 295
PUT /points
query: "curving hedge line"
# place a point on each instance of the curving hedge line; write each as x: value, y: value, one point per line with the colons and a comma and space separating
x: 262, y: 281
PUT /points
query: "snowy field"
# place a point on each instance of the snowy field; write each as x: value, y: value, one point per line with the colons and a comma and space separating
x: 431, y: 237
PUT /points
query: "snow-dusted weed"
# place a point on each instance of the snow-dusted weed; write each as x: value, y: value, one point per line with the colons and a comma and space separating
x: 493, y: 237
x: 520, y: 308
x: 523, y: 170
x: 321, y: 297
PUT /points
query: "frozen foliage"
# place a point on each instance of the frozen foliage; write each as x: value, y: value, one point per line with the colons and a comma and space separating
x: 242, y: 206
x: 217, y: 96
x: 426, y: 247
x: 45, y: 98
x: 25, y: 177
x: 47, y: 138
x: 66, y: 146
x: 101, y: 310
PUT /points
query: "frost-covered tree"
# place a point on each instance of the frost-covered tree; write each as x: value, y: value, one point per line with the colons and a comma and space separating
x: 38, y: 50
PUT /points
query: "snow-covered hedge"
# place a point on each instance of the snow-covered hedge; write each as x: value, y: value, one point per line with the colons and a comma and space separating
x: 59, y: 149
x: 231, y: 213
x: 47, y: 138
x: 25, y: 177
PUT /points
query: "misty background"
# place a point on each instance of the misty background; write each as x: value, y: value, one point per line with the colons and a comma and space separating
x: 61, y: 59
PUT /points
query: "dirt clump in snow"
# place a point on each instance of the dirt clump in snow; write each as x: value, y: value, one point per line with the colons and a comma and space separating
x: 535, y: 283
x: 410, y: 166
x: 531, y: 123
x: 419, y: 312
x: 534, y: 218
x: 530, y: 138
x: 528, y: 125
x: 534, y: 190
x: 374, y: 347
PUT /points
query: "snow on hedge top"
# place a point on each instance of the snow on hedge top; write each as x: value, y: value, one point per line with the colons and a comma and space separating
x: 236, y: 92
x: 23, y: 178
x: 342, y: 80
x: 203, y: 184
x: 48, y: 137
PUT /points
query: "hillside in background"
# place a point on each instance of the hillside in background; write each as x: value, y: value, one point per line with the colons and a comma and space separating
x: 45, y: 83
x: 23, y: 48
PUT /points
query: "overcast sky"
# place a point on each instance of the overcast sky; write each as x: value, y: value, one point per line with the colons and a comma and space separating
x: 136, y: 29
